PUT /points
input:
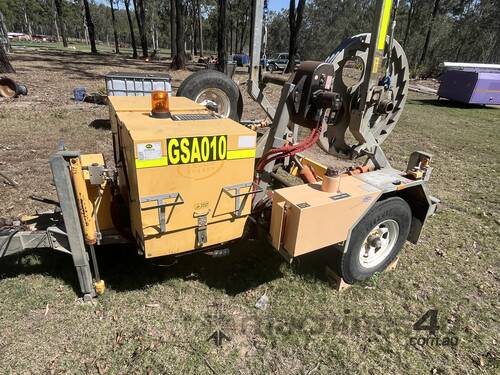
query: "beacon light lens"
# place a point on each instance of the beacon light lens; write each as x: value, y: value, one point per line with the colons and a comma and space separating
x: 159, y: 104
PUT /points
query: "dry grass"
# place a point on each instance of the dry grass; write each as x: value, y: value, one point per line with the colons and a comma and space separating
x: 157, y: 319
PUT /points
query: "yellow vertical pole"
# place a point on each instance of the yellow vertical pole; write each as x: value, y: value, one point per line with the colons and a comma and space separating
x: 382, y: 35
x: 374, y: 66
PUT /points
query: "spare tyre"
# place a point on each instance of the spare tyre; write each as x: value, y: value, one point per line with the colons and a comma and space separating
x: 214, y: 86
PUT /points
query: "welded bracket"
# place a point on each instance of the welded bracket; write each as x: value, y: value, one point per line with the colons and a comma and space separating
x: 418, y: 165
x: 97, y: 174
x: 376, y: 156
x: 161, y: 206
x: 239, y: 203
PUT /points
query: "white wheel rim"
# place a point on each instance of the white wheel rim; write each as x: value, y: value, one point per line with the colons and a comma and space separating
x: 217, y: 96
x: 379, y: 243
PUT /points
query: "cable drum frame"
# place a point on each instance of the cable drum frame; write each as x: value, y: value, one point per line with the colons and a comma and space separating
x: 378, y: 125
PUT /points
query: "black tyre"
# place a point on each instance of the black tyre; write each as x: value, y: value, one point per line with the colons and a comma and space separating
x: 214, y: 86
x: 272, y: 68
x: 376, y: 240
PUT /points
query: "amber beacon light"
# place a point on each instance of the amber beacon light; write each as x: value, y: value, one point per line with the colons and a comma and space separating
x: 159, y: 104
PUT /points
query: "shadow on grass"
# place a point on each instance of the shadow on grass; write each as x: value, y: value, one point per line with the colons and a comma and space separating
x: 123, y: 270
x: 250, y: 264
x: 449, y: 104
x: 78, y: 65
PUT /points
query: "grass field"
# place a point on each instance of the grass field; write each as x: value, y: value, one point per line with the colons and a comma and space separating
x: 156, y: 319
x: 77, y: 46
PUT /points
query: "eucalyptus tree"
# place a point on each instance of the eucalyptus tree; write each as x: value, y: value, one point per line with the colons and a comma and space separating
x: 90, y: 27
x: 131, y: 28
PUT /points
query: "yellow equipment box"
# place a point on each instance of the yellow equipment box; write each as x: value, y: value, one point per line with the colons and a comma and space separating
x: 189, y: 177
x: 305, y: 218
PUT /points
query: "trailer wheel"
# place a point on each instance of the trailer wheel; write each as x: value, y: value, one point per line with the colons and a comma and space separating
x: 376, y: 240
x: 214, y: 86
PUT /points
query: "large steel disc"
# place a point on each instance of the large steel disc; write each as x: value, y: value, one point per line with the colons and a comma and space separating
x: 333, y: 138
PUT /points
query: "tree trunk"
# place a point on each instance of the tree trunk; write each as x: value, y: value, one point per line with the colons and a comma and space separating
x: 3, y: 31
x: 173, y: 30
x: 90, y: 27
x: 194, y: 27
x: 131, y: 26
x: 408, y: 22
x: 243, y: 33
x: 27, y: 23
x: 494, y: 55
x: 231, y: 28
x: 293, y: 38
x: 156, y: 44
x: 142, y: 30
x: 86, y: 33
x: 137, y: 18
x: 179, y: 60
x: 113, y: 20
x: 56, y: 24
x: 85, y: 28
x: 200, y: 26
x: 229, y: 35
x: 60, y: 21
x: 140, y: 16
x: 221, y: 48
x: 459, y: 51
x: 153, y: 43
x: 189, y: 30
x: 5, y: 66
x: 429, y: 31
x: 237, y: 34
x: 295, y: 20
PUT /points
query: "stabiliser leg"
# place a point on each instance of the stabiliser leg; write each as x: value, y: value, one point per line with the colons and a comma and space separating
x: 64, y: 187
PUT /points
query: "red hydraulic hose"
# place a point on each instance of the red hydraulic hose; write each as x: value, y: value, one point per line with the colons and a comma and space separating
x: 289, y: 150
